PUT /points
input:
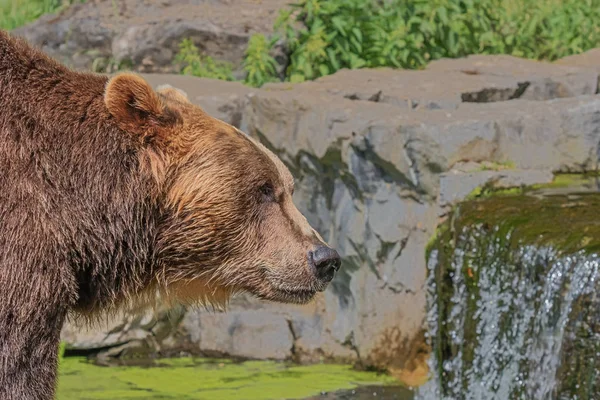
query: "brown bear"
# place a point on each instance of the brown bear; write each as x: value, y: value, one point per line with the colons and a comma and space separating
x: 111, y: 191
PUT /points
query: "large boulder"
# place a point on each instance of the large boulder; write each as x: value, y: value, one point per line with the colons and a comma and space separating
x: 146, y: 35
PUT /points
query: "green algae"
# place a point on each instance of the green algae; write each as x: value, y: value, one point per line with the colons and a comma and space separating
x: 198, y: 378
x: 561, y: 213
x: 567, y: 222
x: 561, y: 183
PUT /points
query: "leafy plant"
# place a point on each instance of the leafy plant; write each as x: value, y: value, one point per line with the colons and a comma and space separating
x: 324, y: 36
x: 259, y: 65
x: 200, y: 65
x: 15, y: 13
x: 110, y: 65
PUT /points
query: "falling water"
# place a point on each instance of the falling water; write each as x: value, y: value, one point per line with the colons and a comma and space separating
x: 510, y: 319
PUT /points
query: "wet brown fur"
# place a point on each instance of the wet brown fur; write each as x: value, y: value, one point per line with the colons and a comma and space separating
x: 112, y: 192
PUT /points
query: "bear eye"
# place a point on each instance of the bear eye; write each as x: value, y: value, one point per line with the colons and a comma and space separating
x: 267, y: 193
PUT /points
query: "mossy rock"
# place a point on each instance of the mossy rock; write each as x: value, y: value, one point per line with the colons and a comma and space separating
x: 515, y: 275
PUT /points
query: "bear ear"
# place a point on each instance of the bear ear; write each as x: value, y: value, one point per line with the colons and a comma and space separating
x: 136, y: 107
x: 173, y: 93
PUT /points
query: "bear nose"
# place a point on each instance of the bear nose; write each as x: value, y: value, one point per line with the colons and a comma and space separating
x: 326, y: 261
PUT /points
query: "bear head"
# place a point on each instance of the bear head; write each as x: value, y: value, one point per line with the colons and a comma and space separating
x: 228, y: 223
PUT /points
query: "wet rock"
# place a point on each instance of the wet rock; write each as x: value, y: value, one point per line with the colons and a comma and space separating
x: 368, y: 393
x: 513, y: 280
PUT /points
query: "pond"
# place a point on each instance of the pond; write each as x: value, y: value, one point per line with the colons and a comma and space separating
x: 200, y: 378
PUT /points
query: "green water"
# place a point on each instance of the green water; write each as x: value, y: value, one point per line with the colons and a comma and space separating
x: 199, y: 378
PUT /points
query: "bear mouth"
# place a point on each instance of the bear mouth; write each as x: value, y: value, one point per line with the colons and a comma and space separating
x: 291, y: 295
x: 301, y: 296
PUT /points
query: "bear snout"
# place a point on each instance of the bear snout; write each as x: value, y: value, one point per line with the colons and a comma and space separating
x: 325, y: 261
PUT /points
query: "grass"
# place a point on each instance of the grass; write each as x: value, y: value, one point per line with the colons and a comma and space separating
x: 197, y: 378
x: 15, y: 13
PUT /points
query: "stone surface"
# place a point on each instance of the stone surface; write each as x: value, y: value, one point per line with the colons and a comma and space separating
x: 372, y: 177
x: 115, y: 335
x: 589, y: 59
x: 146, y: 34
x: 446, y: 84
x: 455, y: 185
x: 536, y: 80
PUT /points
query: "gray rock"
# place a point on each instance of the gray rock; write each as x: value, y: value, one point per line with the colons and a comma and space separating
x: 249, y: 333
x: 446, y: 84
x: 114, y: 334
x: 590, y: 59
x: 455, y: 185
x: 536, y: 80
x: 146, y: 35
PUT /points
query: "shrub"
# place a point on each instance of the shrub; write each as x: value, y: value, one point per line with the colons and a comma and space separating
x: 259, y: 65
x: 14, y: 13
x: 324, y: 36
x: 200, y: 65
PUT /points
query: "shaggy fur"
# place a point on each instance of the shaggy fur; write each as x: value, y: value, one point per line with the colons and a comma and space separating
x: 110, y: 192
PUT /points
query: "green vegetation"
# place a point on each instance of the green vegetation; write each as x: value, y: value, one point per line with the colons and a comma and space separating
x: 324, y: 36
x: 104, y: 65
x: 497, y: 166
x: 197, y: 64
x: 189, y: 378
x: 572, y: 182
x: 14, y: 13
x: 259, y: 65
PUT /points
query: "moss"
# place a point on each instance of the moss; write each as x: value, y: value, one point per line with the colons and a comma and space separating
x: 433, y: 240
x: 569, y: 181
x: 191, y: 378
x: 572, y: 182
x: 567, y: 222
x: 498, y: 166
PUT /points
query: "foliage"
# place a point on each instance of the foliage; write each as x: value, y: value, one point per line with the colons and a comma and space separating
x: 61, y: 351
x: 109, y: 65
x: 15, y: 13
x: 324, y: 36
x: 259, y: 65
x: 200, y: 65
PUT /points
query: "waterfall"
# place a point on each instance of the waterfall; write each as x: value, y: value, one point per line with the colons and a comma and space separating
x: 512, y: 318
